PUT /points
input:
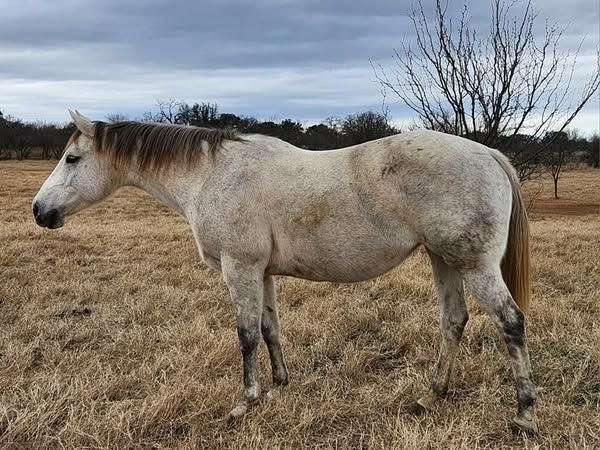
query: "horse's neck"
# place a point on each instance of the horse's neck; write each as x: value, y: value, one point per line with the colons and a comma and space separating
x: 172, y: 188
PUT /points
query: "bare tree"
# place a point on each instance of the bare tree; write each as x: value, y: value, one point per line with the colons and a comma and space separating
x: 558, y: 154
x: 168, y: 112
x: 22, y: 146
x: 505, y: 89
x: 116, y: 117
x: 179, y: 112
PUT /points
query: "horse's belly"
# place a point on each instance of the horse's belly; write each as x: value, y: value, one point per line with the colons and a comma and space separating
x: 346, y: 262
x: 341, y: 235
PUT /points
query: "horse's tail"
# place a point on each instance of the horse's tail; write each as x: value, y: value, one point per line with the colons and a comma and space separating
x: 515, y: 263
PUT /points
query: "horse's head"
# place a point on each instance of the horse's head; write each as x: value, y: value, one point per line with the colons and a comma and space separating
x: 81, y: 178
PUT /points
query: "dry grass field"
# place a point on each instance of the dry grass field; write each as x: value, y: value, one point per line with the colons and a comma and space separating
x: 114, y: 334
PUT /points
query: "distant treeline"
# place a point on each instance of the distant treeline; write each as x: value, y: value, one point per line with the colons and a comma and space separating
x: 331, y: 133
x: 23, y: 140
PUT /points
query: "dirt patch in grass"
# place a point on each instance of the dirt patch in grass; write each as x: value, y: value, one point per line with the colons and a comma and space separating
x: 579, y: 194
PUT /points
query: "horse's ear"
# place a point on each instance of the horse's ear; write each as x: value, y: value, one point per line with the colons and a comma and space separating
x: 85, y: 125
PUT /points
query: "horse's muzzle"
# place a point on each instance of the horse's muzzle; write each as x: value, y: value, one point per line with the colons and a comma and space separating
x: 49, y: 219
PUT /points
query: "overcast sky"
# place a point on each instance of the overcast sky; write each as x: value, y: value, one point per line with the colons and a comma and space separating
x: 303, y: 59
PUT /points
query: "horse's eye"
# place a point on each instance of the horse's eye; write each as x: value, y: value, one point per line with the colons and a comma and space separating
x: 72, y: 159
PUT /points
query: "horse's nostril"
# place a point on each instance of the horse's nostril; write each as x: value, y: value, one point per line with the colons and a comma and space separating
x: 52, y: 217
x: 36, y: 209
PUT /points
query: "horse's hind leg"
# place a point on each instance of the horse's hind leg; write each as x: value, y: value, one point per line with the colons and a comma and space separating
x: 453, y: 318
x: 270, y: 333
x: 493, y: 296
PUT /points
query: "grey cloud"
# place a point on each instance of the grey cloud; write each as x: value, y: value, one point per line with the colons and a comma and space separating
x: 304, y: 59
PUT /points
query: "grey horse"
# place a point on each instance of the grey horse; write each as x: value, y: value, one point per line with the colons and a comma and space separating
x: 260, y: 207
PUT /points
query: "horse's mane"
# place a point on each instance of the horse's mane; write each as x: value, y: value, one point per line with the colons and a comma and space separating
x: 152, y: 146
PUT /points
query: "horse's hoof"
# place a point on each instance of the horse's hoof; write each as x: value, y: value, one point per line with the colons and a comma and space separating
x: 415, y: 409
x: 237, y: 412
x: 525, y: 427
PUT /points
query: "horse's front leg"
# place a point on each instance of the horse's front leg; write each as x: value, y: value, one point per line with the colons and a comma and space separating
x: 245, y: 283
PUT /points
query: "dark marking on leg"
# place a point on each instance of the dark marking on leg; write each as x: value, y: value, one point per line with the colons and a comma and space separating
x: 249, y: 340
x: 514, y: 329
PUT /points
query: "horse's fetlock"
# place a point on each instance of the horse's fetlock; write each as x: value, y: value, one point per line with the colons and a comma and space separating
x: 280, y: 377
x: 440, y: 390
x: 252, y: 393
x: 526, y: 395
